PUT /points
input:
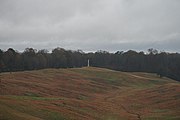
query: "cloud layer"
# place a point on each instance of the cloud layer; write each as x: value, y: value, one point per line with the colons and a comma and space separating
x: 90, y: 25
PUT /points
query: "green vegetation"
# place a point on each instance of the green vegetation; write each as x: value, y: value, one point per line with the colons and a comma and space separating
x: 161, y: 110
x: 26, y: 112
x: 162, y: 118
x: 31, y: 94
x: 34, y: 98
x: 82, y: 97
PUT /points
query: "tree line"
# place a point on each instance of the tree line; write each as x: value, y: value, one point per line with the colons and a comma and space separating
x: 162, y: 63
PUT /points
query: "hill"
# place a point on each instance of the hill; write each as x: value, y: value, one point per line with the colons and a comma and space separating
x: 87, y: 93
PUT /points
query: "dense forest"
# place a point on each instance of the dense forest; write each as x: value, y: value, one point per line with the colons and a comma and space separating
x: 162, y: 63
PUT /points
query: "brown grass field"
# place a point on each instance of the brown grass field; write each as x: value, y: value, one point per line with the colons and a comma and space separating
x: 88, y: 93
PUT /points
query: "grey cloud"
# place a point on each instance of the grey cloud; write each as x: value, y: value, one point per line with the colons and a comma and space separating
x: 90, y: 25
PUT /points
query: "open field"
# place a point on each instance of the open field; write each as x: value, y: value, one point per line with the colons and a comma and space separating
x: 87, y: 93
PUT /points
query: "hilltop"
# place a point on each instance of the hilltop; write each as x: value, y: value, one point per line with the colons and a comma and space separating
x: 162, y: 63
x: 88, y: 93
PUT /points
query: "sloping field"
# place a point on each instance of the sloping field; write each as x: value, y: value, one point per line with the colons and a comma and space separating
x: 87, y: 94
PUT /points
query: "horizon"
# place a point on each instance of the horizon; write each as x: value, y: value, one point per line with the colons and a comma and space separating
x: 50, y: 50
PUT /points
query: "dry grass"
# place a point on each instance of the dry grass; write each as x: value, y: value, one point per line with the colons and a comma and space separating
x: 87, y: 93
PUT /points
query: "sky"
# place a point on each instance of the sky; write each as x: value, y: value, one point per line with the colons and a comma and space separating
x: 90, y: 25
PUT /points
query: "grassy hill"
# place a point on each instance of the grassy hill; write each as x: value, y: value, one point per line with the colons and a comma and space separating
x: 87, y: 94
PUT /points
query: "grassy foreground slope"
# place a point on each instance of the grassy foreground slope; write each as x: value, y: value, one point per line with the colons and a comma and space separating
x: 87, y: 94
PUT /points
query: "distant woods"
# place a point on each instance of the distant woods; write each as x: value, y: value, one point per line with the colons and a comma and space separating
x: 162, y: 63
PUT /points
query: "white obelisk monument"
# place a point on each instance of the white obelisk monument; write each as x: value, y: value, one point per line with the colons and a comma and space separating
x: 88, y: 63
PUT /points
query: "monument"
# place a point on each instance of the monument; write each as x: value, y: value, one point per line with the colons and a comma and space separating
x: 88, y: 63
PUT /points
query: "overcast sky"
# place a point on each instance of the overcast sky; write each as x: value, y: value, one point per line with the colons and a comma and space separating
x: 90, y: 25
